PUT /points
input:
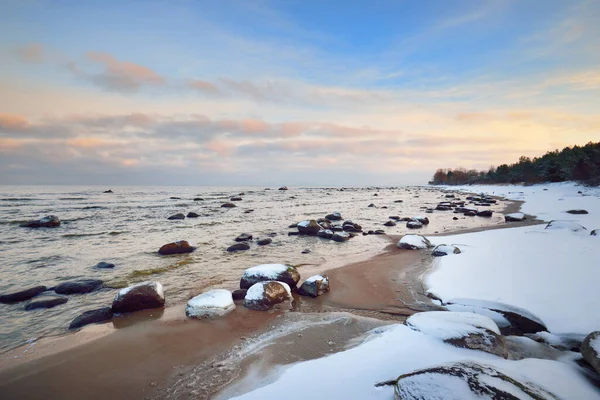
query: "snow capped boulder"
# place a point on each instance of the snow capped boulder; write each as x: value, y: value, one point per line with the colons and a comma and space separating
x: 177, y: 216
x: 413, y: 242
x: 414, y: 225
x: 314, y: 286
x: 572, y: 226
x: 264, y: 296
x: 211, y: 304
x: 141, y: 296
x: 325, y: 233
x: 514, y: 217
x: 270, y: 272
x: 341, y: 236
x: 92, y: 317
x: 309, y: 227
x: 50, y: 221
x: 179, y: 247
x: 78, y: 287
x: 590, y: 350
x: 461, y: 329
x: 336, y: 216
x: 444, y: 250
x: 562, y: 341
x: 521, y: 321
x: 465, y: 380
x: 22, y: 295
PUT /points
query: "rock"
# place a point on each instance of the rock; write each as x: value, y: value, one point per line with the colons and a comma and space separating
x: 211, y: 304
x: 239, y: 247
x: 78, y: 287
x: 561, y: 342
x: 306, y: 251
x: 264, y: 242
x: 514, y: 217
x: 228, y: 205
x: 283, y: 188
x: 394, y: 217
x: 371, y: 205
x: 50, y: 221
x: 443, y: 208
x: 590, y: 350
x: 341, y: 236
x: 45, y: 302
x: 198, y: 199
x: 104, y: 265
x: 465, y: 380
x: 325, y: 233
x: 423, y: 220
x: 461, y: 329
x: 572, y: 226
x: 577, y: 212
x: 314, y: 286
x: 309, y: 227
x: 379, y: 232
x: 270, y: 272
x: 266, y: 295
x: 175, y: 198
x: 390, y: 223
x: 192, y: 214
x: 22, y: 295
x: 244, y: 237
x: 179, y: 247
x: 414, y: 225
x: 248, y: 211
x: 108, y: 191
x: 484, y: 213
x: 350, y: 226
x: 398, y: 201
x: 239, y: 294
x: 444, y: 250
x: 177, y: 216
x: 470, y: 214
x: 595, y: 232
x: 413, y: 242
x: 92, y: 317
x: 336, y: 216
x: 235, y: 199
x: 138, y: 297
x: 449, y: 196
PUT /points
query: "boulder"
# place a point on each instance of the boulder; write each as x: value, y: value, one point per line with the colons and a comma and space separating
x: 244, y: 237
x: 211, y: 304
x: 270, y: 272
x: 336, y: 216
x: 228, y: 205
x: 413, y: 242
x: 325, y: 233
x: 78, y: 287
x: 308, y: 227
x: 264, y: 242
x: 192, y: 214
x: 283, y: 188
x: 138, y: 297
x: 177, y: 216
x: 22, y: 295
x: 590, y: 350
x: 572, y: 226
x: 470, y: 214
x: 514, y: 217
x: 461, y: 329
x: 577, y: 212
x: 235, y: 199
x: 239, y: 294
x: 314, y: 286
x: 45, y: 302
x: 561, y: 341
x: 263, y: 296
x: 444, y: 250
x: 414, y: 225
x: 390, y: 223
x: 243, y: 246
x: 104, y: 265
x: 341, y: 236
x: 485, y: 213
x: 92, y: 317
x: 465, y: 380
x: 179, y: 247
x: 50, y: 221
x: 423, y: 220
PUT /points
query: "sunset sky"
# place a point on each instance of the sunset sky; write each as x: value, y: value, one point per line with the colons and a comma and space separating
x: 290, y: 92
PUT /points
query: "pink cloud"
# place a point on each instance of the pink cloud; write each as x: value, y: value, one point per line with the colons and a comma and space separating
x: 13, y: 122
x: 31, y: 53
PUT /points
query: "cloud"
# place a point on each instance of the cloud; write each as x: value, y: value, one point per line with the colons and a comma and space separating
x: 9, y: 122
x: 204, y: 87
x: 31, y: 53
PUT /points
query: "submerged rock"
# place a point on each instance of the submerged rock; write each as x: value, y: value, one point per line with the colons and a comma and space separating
x: 179, y: 247
x: 51, y: 221
x: 138, y: 297
x: 176, y: 216
x: 577, y: 212
x: 104, y: 265
x: 443, y: 250
x: 264, y: 242
x: 243, y: 246
x: 46, y: 302
x: 78, y: 287
x: 314, y: 286
x: 270, y: 272
x: 92, y: 317
x: 239, y: 294
x: 336, y: 216
x: 263, y: 296
x: 341, y: 236
x: 228, y: 205
x: 192, y: 214
x: 211, y: 304
x: 590, y: 350
x: 22, y: 295
x: 413, y: 242
x: 514, y: 217
x: 244, y: 237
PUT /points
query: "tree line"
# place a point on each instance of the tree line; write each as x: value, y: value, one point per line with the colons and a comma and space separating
x: 577, y: 163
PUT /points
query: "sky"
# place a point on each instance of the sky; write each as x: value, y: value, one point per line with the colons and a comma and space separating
x: 290, y: 92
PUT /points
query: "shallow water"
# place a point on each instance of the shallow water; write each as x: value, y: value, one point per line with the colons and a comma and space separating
x: 128, y: 226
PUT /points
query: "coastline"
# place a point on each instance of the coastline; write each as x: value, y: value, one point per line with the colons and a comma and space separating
x: 156, y: 352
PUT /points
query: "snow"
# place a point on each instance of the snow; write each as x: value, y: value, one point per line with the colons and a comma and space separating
x: 495, y: 316
x: 516, y: 215
x: 570, y: 225
x: 213, y: 303
x: 255, y: 293
x: 494, y: 305
x: 303, y: 224
x: 416, y: 241
x: 269, y: 271
x: 444, y: 248
x: 446, y: 325
x: 316, y: 278
x: 156, y: 285
x: 595, y: 344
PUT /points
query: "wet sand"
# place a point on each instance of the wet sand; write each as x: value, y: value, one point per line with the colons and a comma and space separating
x: 164, y: 355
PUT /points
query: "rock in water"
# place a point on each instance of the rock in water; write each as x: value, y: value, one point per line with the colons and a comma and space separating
x: 263, y: 296
x: 179, y: 247
x: 211, y: 304
x: 283, y: 188
x: 104, y: 265
x: 314, y: 286
x: 423, y: 220
x: 235, y: 199
x: 590, y: 350
x: 141, y: 296
x: 46, y: 302
x: 239, y: 294
x: 192, y: 214
x: 78, y: 287
x: 514, y: 217
x: 228, y: 205
x: 309, y: 227
x: 443, y: 250
x: 270, y: 272
x: 50, y: 221
x: 177, y: 216
x: 243, y: 237
x: 92, y: 317
x: 464, y: 380
x: 341, y: 236
x: 414, y: 225
x: 577, y: 212
x: 485, y: 213
x: 413, y: 242
x: 108, y: 191
x: 336, y: 216
x: 264, y: 242
x: 22, y: 295
x: 243, y: 246
x: 390, y: 223
x: 325, y: 233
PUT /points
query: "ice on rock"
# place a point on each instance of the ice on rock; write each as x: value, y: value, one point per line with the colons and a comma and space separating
x: 413, y: 242
x: 214, y: 303
x: 446, y: 325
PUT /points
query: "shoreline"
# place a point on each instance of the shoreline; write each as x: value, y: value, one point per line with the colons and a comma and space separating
x: 365, y: 288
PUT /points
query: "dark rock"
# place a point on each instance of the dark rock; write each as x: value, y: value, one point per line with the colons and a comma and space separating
x: 390, y: 223
x: 443, y: 208
x: 449, y: 196
x: 294, y: 233
x: 104, y: 265
x: 444, y: 250
x: 239, y: 294
x: 50, y: 221
x: 46, y: 302
x: 235, y: 199
x: 384, y: 207
x: 264, y: 242
x: 394, y: 217
x: 92, y: 317
x: 244, y: 237
x: 325, y: 233
x: 266, y: 272
x: 179, y: 247
x: 177, y: 216
x: 413, y: 242
x: 145, y: 295
x: 198, y: 199
x: 594, y: 232
x: 336, y: 216
x: 192, y: 214
x: 398, y: 201
x: 314, y: 286
x: 248, y: 211
x: 306, y: 251
x: 78, y: 287
x: 514, y: 217
x: 263, y: 296
x: 371, y: 205
x: 228, y: 205
x: 484, y: 213
x: 379, y: 232
x: 423, y: 220
x: 414, y: 225
x: 108, y: 191
x: 283, y: 188
x: 578, y: 212
x: 470, y: 214
x: 309, y: 227
x: 589, y: 350
x: 22, y: 295
x: 455, y: 218
x: 239, y: 247
x: 341, y: 236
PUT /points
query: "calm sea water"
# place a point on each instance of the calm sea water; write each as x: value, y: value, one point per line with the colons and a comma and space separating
x: 128, y: 226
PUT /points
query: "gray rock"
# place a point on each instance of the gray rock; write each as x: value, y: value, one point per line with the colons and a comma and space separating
x: 192, y: 214
x: 314, y: 286
x: 577, y: 212
x: 336, y: 216
x: 325, y: 233
x: 414, y: 225
x: 444, y: 250
x: 239, y: 247
x: 589, y: 350
x: 341, y: 236
x: 78, y: 287
x: 45, y: 302
x: 244, y: 237
x: 264, y: 242
x: 177, y: 216
x: 92, y: 317
x: 22, y: 295
x: 104, y: 265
